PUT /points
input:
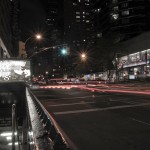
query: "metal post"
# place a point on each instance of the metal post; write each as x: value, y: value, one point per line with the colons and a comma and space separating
x: 24, y: 134
x: 13, y: 126
x: 116, y: 67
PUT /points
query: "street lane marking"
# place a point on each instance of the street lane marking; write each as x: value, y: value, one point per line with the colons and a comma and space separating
x: 81, y: 103
x: 72, y: 97
x: 140, y: 121
x: 99, y: 109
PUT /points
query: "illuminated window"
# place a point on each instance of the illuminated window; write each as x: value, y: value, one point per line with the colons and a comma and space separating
x: 115, y: 16
x: 87, y: 21
x: 99, y: 35
x: 77, y: 16
x: 125, y: 12
x: 77, y: 12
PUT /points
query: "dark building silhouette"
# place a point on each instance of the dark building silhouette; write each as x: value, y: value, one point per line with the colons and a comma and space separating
x: 15, y: 11
x: 78, y: 25
x: 128, y: 18
x: 54, y: 26
x: 9, y: 28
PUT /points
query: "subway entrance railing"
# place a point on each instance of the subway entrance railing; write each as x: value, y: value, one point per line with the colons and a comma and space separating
x: 44, y: 131
x: 24, y: 122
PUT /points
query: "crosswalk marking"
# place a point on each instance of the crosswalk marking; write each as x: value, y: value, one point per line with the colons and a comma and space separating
x: 81, y: 103
x: 99, y: 109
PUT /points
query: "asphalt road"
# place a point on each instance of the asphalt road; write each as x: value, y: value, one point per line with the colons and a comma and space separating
x: 100, y: 120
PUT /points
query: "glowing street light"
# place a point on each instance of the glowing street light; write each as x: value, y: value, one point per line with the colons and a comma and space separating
x: 83, y: 56
x: 36, y: 36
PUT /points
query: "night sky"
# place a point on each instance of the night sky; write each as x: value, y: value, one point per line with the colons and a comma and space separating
x: 32, y: 17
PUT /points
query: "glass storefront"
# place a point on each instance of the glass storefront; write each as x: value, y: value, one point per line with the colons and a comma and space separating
x: 134, y: 66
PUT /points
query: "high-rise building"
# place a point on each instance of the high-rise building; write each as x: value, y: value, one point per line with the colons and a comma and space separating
x: 128, y: 18
x: 101, y: 17
x: 54, y: 36
x: 78, y: 25
x: 15, y: 11
x: 54, y: 21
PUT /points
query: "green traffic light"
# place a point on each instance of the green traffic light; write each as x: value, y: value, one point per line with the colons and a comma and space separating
x: 64, y: 51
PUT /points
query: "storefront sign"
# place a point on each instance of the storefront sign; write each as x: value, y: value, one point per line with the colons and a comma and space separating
x: 14, y: 70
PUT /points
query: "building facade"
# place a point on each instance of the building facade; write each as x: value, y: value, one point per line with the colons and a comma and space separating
x: 5, y: 29
x: 15, y: 29
x: 78, y: 25
x: 129, y: 18
x: 9, y: 31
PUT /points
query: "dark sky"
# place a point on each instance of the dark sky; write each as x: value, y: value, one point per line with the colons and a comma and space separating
x: 32, y: 17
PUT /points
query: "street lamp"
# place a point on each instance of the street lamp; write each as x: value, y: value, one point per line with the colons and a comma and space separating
x: 83, y: 56
x: 36, y: 36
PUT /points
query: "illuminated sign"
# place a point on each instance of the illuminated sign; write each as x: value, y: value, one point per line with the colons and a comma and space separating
x: 14, y: 70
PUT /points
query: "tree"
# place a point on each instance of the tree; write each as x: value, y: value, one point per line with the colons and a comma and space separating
x: 105, y: 50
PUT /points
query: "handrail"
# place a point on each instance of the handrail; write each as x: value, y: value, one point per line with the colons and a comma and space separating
x: 41, y: 139
x: 14, y: 128
x: 50, y: 125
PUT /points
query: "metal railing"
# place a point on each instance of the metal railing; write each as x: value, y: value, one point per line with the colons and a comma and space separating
x: 15, y: 136
x: 46, y: 133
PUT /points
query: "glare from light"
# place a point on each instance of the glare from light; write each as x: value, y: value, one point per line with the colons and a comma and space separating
x: 38, y: 36
x: 63, y: 51
x: 83, y: 56
x: 16, y: 143
x: 30, y: 133
x: 8, y: 138
x: 32, y: 142
x: 7, y: 134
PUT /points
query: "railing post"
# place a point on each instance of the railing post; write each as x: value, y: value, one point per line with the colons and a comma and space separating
x: 13, y: 125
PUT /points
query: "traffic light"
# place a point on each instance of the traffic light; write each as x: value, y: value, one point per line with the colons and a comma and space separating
x: 64, y: 51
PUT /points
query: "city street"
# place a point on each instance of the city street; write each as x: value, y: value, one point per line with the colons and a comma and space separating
x: 97, y: 117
